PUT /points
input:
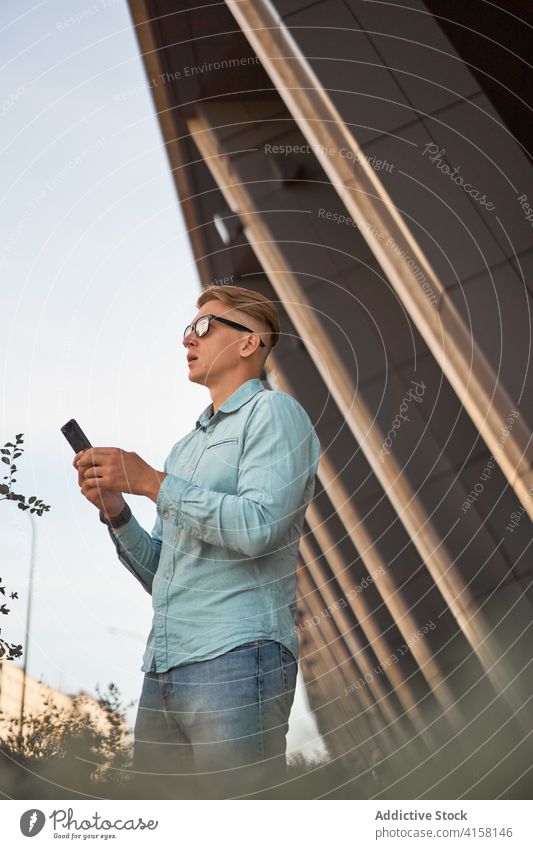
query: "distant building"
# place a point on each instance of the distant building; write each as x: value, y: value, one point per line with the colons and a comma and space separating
x: 11, y: 683
x: 365, y: 164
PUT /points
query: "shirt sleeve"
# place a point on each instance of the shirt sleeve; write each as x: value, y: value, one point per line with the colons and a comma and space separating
x: 138, y: 550
x: 276, y: 480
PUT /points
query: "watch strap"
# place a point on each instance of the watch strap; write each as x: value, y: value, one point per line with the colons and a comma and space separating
x: 116, y: 521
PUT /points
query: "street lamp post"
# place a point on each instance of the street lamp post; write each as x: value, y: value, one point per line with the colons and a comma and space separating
x: 28, y: 620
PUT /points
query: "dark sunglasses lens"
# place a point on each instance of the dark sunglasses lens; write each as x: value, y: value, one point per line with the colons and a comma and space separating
x: 187, y: 330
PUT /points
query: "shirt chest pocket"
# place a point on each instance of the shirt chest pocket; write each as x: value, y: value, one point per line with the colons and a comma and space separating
x: 219, y: 466
x: 226, y: 440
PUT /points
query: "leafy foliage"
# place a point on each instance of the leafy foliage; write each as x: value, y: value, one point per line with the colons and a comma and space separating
x: 8, y: 651
x: 8, y: 454
x: 69, y: 748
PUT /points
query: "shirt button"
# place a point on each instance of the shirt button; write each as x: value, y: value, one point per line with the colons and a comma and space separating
x: 165, y: 514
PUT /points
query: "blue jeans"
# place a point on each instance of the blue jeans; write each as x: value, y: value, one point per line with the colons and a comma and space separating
x: 216, y: 727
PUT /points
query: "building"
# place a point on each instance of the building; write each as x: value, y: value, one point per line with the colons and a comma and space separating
x: 36, y: 695
x: 365, y: 165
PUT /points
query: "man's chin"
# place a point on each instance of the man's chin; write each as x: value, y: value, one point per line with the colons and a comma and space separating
x: 196, y: 377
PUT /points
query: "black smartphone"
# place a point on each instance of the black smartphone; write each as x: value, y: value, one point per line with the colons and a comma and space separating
x: 75, y: 436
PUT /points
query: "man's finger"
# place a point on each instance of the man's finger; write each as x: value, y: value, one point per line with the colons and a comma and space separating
x: 96, y: 483
x: 90, y: 472
x: 96, y: 456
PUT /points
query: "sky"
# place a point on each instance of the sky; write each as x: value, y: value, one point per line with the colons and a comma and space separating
x: 97, y: 283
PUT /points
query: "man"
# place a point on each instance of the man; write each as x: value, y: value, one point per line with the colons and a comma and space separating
x: 221, y: 659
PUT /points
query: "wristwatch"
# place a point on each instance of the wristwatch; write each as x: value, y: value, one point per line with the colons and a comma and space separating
x: 116, y: 521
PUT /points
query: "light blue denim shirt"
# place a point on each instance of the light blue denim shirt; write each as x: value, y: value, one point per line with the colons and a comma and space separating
x: 220, y: 563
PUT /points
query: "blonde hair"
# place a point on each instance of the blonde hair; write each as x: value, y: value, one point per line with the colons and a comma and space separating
x: 247, y: 301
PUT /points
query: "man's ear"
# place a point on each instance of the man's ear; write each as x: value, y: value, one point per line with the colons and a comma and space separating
x: 249, y: 346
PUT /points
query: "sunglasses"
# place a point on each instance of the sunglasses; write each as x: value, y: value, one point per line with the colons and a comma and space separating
x: 202, y: 324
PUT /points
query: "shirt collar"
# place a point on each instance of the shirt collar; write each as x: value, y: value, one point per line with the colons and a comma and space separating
x: 242, y: 394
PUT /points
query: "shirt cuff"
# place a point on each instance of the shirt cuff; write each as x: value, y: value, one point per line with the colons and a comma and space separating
x: 127, y: 533
x: 170, y: 495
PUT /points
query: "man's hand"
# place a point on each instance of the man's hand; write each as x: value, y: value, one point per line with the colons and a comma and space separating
x: 110, y: 503
x: 111, y: 470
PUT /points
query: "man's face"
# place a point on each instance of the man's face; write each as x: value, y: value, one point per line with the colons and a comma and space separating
x: 216, y: 354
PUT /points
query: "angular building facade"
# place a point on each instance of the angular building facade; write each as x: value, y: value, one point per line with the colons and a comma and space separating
x: 365, y: 165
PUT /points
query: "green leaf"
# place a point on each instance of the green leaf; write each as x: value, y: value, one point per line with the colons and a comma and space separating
x: 5, y: 460
x: 4, y: 451
x: 32, y: 499
x: 19, y: 436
